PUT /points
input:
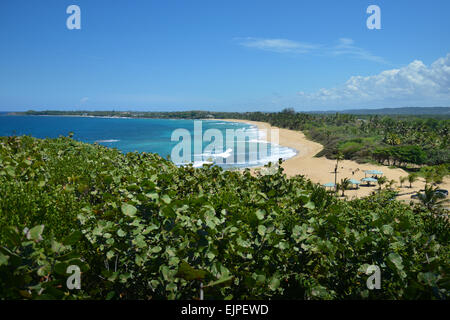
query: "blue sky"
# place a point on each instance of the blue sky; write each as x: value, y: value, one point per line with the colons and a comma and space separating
x: 224, y: 55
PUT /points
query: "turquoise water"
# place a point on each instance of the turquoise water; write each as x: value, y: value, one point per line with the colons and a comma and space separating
x: 155, y: 135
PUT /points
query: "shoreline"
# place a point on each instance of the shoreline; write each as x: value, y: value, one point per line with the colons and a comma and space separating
x: 318, y: 169
x: 321, y: 170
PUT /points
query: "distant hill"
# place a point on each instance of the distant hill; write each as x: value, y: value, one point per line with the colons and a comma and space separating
x: 440, y: 111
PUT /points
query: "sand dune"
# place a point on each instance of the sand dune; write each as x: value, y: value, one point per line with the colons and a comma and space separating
x: 321, y: 170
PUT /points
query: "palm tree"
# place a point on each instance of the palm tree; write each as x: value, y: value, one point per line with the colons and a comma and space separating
x: 381, y: 181
x: 429, y: 176
x: 411, y: 179
x: 337, y: 188
x: 431, y: 199
x: 392, y: 139
x: 391, y: 183
x: 402, y: 180
x: 345, y: 184
x: 339, y: 156
x: 327, y: 134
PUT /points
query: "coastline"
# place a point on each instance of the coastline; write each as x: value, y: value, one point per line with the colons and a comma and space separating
x: 321, y: 170
x: 77, y: 116
x: 318, y: 169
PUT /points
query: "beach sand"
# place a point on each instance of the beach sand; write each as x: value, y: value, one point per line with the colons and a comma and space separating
x: 321, y: 170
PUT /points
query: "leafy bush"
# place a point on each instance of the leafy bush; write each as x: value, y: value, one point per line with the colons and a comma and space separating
x: 35, y: 268
x: 150, y: 230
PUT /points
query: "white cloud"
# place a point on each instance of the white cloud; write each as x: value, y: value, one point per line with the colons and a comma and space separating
x: 277, y: 45
x: 344, y: 47
x: 412, y: 84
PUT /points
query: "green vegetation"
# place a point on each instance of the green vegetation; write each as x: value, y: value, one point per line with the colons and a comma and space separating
x: 411, y: 179
x: 431, y: 199
x: 141, y: 228
x: 381, y: 181
x: 400, y: 141
x: 344, y: 185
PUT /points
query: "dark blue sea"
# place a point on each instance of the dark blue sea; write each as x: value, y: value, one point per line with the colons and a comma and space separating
x: 207, y: 143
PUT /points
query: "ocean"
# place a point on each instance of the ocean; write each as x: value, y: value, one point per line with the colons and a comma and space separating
x: 184, y: 141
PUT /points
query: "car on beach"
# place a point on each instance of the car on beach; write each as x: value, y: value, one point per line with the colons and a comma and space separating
x: 442, y: 193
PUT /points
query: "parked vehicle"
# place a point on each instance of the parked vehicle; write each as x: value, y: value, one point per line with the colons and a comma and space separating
x: 442, y: 191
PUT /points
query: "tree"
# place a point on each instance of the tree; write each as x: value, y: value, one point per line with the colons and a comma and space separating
x: 381, y: 180
x: 339, y: 157
x: 431, y: 199
x: 328, y: 134
x: 288, y: 110
x: 391, y: 183
x: 411, y: 179
x: 429, y: 176
x: 392, y: 139
x: 402, y: 180
x: 345, y: 184
x: 409, y: 154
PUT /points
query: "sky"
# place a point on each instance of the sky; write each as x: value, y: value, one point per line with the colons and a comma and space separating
x: 223, y: 55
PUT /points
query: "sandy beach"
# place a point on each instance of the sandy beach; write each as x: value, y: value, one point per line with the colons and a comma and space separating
x: 321, y: 169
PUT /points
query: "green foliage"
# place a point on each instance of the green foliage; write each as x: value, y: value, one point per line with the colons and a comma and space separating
x: 150, y: 230
x: 35, y: 268
x: 399, y: 155
x: 344, y: 185
x: 381, y: 180
x: 412, y: 177
x: 432, y: 199
x: 434, y: 174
